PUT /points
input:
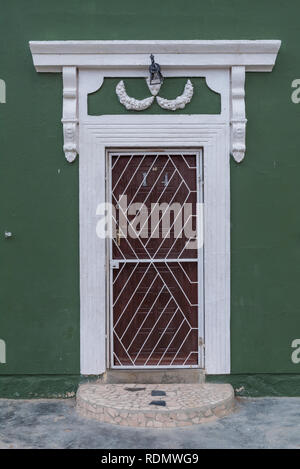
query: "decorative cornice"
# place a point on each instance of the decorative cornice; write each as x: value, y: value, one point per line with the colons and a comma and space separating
x: 51, y: 56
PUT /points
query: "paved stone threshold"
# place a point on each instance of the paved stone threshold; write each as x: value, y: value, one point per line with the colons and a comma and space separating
x: 173, y: 405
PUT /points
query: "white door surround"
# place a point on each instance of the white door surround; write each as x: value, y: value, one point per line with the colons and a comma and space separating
x: 84, y: 65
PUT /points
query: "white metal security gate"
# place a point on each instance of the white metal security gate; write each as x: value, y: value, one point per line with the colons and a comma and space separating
x: 156, y: 259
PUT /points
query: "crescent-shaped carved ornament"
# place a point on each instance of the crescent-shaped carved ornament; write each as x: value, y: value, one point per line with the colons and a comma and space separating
x: 180, y: 102
x: 132, y: 104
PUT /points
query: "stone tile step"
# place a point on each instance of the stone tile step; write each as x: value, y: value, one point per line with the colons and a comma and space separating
x: 165, y: 376
x: 136, y: 405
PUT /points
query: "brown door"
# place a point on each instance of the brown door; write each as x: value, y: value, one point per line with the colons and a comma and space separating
x: 155, y: 264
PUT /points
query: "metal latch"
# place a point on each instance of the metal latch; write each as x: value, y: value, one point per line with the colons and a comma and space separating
x: 201, y: 342
x: 119, y: 237
x: 115, y: 264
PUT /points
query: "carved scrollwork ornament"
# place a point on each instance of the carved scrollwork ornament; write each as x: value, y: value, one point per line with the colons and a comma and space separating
x: 70, y: 116
x: 238, y: 114
x: 70, y: 137
x: 238, y: 129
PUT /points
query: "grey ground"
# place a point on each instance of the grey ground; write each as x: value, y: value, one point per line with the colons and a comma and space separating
x: 256, y: 423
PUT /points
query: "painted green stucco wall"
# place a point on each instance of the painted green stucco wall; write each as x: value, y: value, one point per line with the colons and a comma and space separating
x: 39, y: 266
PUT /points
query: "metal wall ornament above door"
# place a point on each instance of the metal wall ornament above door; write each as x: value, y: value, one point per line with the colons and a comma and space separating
x: 156, y: 281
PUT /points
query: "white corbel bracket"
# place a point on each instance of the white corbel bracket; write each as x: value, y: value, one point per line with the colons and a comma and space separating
x: 70, y: 113
x: 238, y: 116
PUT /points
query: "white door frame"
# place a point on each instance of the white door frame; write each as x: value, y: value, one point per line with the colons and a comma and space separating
x: 84, y: 65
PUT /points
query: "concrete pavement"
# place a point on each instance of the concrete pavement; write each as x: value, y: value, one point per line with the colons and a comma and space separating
x: 256, y: 423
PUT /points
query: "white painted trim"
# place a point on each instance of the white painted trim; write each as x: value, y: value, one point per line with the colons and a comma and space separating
x: 223, y: 64
x: 50, y: 56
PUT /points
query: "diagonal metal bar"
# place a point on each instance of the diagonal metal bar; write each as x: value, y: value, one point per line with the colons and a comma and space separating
x: 147, y: 173
x: 190, y: 167
x: 169, y: 230
x: 120, y: 271
x: 121, y: 175
x: 181, y: 289
x: 190, y: 281
x: 134, y: 173
x: 121, y: 315
x: 184, y: 247
x: 182, y: 182
x: 118, y: 157
x: 157, y: 180
x: 125, y: 213
x: 144, y: 245
x: 141, y: 348
x: 181, y: 347
x: 172, y: 295
x: 188, y: 188
x: 124, y: 286
x: 124, y: 348
x: 157, y: 202
x: 115, y: 355
x: 174, y: 336
x: 124, y: 237
x: 145, y: 296
x: 160, y: 219
x: 161, y: 337
x: 191, y: 353
x: 137, y: 235
x: 146, y: 319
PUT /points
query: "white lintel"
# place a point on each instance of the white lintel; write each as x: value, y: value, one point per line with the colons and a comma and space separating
x: 51, y: 56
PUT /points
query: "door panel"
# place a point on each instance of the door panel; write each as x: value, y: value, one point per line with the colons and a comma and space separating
x: 155, y: 302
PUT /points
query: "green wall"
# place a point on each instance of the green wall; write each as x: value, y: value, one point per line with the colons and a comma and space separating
x: 39, y: 267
